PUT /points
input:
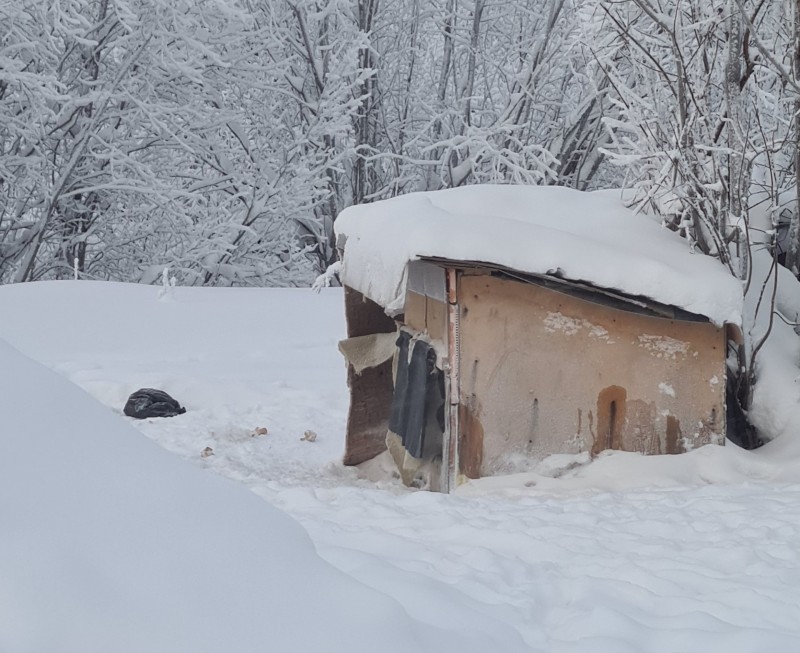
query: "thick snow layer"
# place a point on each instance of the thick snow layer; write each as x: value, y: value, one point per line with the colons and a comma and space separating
x: 109, y: 543
x: 627, y: 553
x: 589, y: 237
x: 777, y: 394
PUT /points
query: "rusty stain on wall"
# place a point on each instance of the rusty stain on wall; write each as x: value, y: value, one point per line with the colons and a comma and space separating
x: 534, y: 423
x: 611, y: 412
x: 471, y: 440
x: 711, y: 428
x: 674, y: 435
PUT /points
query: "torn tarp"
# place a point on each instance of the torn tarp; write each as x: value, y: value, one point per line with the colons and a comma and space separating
x: 368, y: 351
x: 418, y: 397
x: 398, y: 414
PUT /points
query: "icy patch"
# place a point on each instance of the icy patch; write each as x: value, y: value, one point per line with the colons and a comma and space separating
x: 560, y: 322
x: 554, y: 322
x: 664, y: 346
x: 558, y: 464
x: 666, y: 388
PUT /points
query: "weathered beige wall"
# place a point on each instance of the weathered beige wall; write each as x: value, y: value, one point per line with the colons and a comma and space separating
x: 543, y: 372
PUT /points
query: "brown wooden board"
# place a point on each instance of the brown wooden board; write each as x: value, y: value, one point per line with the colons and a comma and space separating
x: 368, y: 417
x: 426, y: 314
x: 364, y: 316
x: 436, y: 319
x: 414, y: 316
x: 370, y: 391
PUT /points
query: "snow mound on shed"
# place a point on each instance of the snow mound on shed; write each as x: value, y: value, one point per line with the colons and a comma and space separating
x: 589, y: 237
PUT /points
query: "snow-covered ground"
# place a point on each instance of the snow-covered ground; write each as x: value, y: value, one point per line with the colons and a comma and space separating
x: 699, y: 552
x: 109, y: 543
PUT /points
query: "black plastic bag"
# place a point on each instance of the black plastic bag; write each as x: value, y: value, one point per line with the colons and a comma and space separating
x: 149, y: 402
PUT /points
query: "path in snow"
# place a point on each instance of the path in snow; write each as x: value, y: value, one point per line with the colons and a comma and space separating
x: 689, y: 566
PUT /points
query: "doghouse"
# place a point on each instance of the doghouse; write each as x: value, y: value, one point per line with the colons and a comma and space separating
x: 492, y: 326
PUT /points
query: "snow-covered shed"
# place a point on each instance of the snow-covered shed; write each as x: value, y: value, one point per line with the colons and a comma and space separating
x: 492, y: 326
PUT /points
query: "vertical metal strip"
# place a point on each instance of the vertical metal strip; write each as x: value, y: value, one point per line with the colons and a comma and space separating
x: 450, y: 457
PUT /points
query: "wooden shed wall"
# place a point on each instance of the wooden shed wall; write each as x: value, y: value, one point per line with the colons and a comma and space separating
x: 543, y: 372
x: 426, y: 315
x: 370, y: 391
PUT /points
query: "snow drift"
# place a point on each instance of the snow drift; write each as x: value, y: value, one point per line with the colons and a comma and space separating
x: 110, y: 543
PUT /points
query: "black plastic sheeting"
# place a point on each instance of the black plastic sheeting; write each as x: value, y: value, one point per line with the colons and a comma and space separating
x: 417, y: 412
x: 398, y: 414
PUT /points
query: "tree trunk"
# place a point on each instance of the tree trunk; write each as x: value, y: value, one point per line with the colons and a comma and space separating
x: 365, y: 127
x: 793, y: 255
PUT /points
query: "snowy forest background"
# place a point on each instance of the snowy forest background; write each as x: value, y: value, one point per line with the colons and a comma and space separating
x: 222, y: 137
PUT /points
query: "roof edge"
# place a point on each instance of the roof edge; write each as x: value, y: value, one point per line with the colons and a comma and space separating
x: 585, y: 290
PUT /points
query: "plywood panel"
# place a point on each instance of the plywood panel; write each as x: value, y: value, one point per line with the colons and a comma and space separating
x: 543, y: 372
x: 426, y: 314
x: 436, y: 319
x: 415, y: 311
x: 364, y: 316
x: 368, y: 416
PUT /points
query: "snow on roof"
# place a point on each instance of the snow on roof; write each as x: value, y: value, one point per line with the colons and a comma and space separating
x: 589, y: 237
